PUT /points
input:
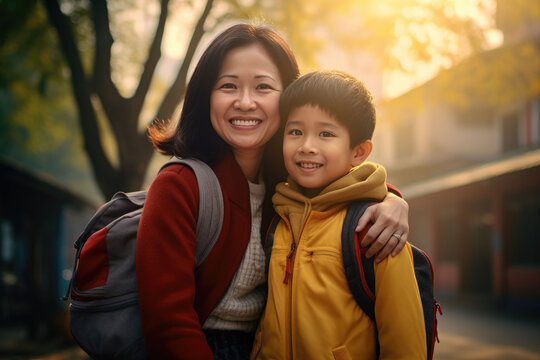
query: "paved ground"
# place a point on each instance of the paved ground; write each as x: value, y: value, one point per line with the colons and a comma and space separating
x: 466, y: 333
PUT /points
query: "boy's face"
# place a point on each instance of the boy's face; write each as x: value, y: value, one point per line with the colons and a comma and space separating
x: 316, y: 149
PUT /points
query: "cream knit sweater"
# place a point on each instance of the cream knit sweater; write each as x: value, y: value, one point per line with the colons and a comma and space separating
x: 242, y: 304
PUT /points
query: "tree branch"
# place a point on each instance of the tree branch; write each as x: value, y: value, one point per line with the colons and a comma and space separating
x: 120, y: 112
x: 154, y: 54
x: 178, y: 87
x: 105, y: 88
x: 103, y: 169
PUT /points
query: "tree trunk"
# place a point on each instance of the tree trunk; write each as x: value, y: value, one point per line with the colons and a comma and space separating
x: 134, y: 149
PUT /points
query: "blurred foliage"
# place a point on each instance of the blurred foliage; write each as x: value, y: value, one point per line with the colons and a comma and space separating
x: 425, y: 30
x: 478, y: 87
x: 497, y: 78
x: 38, y: 113
x: 517, y: 13
x: 38, y: 124
x: 490, y: 81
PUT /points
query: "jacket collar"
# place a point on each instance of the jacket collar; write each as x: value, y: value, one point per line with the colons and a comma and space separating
x: 233, y: 181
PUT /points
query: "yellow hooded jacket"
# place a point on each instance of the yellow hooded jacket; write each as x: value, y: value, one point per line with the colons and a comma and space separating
x: 310, y: 312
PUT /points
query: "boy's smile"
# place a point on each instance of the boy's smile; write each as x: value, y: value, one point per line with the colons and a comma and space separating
x: 308, y: 165
x: 316, y: 149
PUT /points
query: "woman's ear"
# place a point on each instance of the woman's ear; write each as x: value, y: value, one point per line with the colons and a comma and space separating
x: 361, y: 152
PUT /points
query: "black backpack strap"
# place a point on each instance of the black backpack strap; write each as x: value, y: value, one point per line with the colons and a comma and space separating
x: 211, y: 208
x: 358, y: 270
x: 423, y: 270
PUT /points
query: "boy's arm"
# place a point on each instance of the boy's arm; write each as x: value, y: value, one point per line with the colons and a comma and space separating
x: 398, y: 309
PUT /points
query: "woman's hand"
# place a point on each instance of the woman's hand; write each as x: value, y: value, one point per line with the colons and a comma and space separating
x: 390, y: 228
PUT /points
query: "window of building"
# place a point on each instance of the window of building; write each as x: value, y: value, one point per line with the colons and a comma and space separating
x: 510, y: 134
x: 448, y: 233
x: 476, y: 250
x: 404, y: 140
x: 523, y: 213
x: 11, y: 307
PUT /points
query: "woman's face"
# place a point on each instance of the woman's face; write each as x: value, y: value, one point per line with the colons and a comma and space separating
x: 244, y: 104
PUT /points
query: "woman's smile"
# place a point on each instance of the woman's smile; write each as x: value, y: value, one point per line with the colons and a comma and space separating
x: 245, y: 123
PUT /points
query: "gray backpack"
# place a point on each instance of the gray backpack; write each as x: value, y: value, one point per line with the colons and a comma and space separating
x: 104, y: 309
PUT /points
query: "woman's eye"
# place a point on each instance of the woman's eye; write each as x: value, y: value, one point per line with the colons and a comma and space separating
x: 264, y: 87
x: 326, y: 134
x: 227, y: 86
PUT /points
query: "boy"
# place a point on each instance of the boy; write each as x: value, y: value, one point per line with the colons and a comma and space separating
x: 310, y: 312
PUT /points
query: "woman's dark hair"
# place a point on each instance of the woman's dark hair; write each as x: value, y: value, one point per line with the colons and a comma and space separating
x: 194, y: 135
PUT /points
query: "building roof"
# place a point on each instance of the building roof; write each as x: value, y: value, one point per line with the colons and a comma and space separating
x: 473, y: 175
x: 16, y: 174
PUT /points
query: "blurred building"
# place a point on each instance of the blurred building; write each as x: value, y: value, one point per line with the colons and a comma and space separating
x: 39, y: 221
x: 465, y: 150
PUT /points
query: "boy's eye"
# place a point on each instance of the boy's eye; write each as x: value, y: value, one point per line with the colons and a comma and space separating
x: 326, y: 134
x: 295, y: 132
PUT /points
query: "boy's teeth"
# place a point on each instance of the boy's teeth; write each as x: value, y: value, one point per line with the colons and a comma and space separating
x: 244, y: 122
x: 310, y: 165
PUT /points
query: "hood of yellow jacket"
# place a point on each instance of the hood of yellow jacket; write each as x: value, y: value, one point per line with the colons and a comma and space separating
x: 366, y: 181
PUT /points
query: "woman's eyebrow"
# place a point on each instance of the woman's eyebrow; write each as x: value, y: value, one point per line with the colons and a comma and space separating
x: 265, y: 76
x: 236, y: 77
x: 227, y: 76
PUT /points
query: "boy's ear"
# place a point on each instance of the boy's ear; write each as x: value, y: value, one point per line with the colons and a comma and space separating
x: 361, y: 152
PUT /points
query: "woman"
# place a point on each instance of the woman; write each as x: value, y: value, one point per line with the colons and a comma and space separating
x: 228, y: 120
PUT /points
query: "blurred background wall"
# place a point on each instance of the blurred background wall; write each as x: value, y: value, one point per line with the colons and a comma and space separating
x: 457, y: 87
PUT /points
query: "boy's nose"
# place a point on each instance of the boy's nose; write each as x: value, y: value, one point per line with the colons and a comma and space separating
x: 245, y: 101
x: 307, y: 147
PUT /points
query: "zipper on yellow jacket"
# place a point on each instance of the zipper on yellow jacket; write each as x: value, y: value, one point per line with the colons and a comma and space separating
x: 288, y: 280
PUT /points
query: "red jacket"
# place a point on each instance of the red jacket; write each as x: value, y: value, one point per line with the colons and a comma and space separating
x: 174, y: 300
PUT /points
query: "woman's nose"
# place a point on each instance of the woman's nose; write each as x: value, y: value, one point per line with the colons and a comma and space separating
x: 245, y: 101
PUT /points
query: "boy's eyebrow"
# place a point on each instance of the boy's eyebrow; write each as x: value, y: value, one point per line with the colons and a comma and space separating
x: 293, y: 122
x: 320, y: 123
x: 327, y: 124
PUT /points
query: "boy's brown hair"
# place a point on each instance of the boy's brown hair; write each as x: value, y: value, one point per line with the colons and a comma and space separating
x: 337, y: 93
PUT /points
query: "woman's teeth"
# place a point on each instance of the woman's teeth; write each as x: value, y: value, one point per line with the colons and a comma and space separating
x: 245, y: 122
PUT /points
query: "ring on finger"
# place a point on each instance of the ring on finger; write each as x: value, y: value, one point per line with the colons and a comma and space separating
x: 397, y: 236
